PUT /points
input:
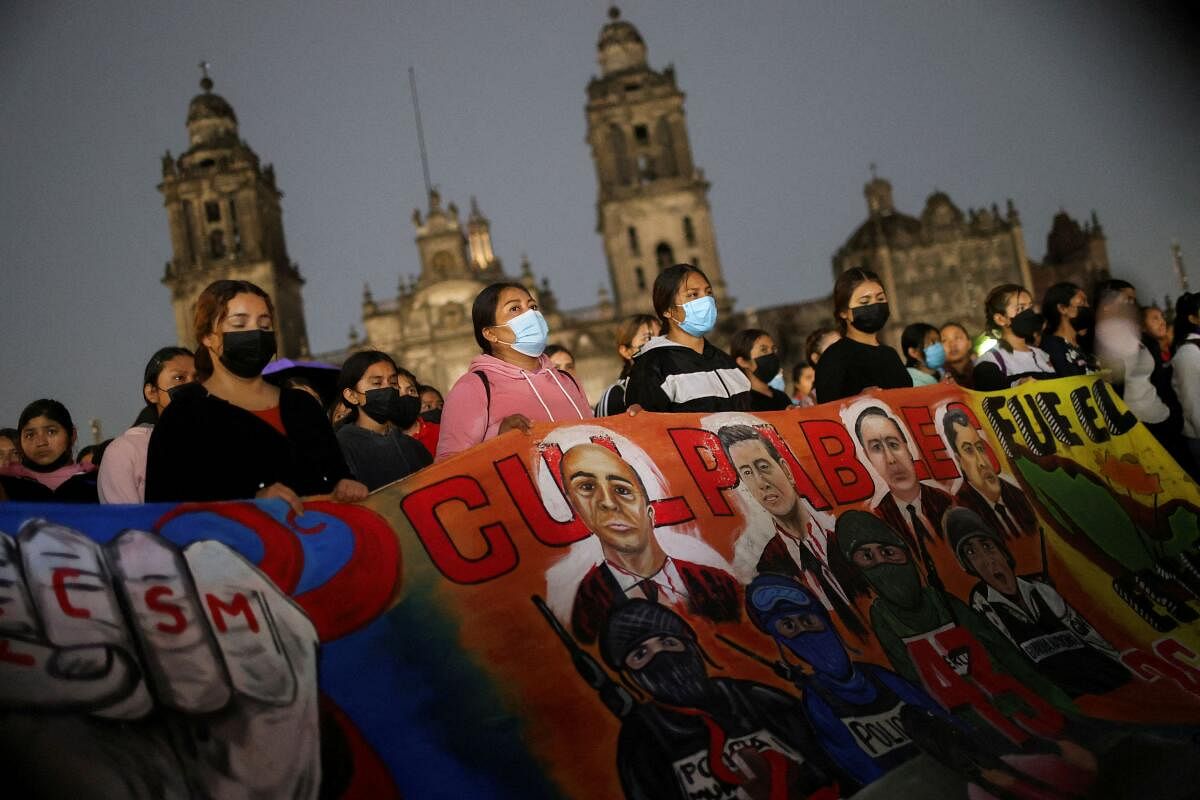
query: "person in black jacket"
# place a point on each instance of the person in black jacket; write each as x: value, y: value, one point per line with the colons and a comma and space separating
x: 374, y: 442
x: 682, y: 371
x: 754, y: 351
x: 233, y: 435
x: 858, y: 361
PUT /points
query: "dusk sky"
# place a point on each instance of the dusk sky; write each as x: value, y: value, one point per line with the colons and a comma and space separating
x: 1069, y: 105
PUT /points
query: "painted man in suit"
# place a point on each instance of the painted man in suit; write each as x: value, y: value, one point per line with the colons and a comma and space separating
x: 611, y: 500
x: 1001, y: 505
x: 912, y: 508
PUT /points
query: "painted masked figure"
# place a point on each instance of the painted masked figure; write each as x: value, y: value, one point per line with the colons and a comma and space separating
x: 701, y: 736
x: 854, y: 707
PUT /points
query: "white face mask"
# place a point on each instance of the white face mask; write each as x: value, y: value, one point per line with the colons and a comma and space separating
x: 531, y: 331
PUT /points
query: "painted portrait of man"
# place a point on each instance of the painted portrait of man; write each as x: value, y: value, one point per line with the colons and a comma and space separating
x: 910, y: 507
x: 611, y: 500
x: 798, y: 546
x: 1002, y: 505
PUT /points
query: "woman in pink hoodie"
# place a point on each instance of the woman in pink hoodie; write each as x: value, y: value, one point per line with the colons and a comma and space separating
x: 512, y: 384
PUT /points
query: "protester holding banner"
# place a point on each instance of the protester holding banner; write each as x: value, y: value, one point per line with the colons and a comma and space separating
x: 234, y: 435
x: 924, y: 355
x: 755, y: 352
x: 47, y: 470
x: 1014, y: 323
x: 122, y: 477
x: 682, y: 371
x: 512, y: 383
x: 960, y: 358
x: 374, y: 443
x: 858, y: 361
x: 632, y: 334
x: 1186, y: 372
x: 1068, y: 315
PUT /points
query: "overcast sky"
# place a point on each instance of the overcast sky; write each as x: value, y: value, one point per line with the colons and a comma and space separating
x: 1073, y: 105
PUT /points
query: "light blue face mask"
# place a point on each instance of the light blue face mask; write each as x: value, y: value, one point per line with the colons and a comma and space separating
x: 776, y: 383
x: 935, y: 355
x: 700, y: 315
x: 531, y: 331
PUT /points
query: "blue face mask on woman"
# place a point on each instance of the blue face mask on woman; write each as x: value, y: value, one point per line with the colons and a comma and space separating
x: 531, y: 331
x: 935, y: 355
x: 700, y: 315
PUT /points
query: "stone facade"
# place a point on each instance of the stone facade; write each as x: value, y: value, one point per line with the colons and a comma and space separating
x: 225, y: 222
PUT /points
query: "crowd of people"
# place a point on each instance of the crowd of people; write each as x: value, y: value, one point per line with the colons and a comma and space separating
x: 214, y: 427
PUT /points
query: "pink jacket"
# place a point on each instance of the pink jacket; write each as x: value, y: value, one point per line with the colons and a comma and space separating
x: 468, y: 417
x: 122, y: 476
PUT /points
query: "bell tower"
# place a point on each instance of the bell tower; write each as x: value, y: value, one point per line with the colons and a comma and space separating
x: 652, y: 202
x: 226, y: 222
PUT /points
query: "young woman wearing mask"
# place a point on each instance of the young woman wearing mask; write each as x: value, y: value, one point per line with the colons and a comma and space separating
x: 924, y: 355
x: 1185, y: 366
x: 632, y: 335
x: 123, y: 470
x: 960, y: 357
x: 1014, y: 323
x: 754, y: 351
x: 682, y: 371
x: 512, y: 383
x: 858, y: 361
x: 47, y: 470
x: 1068, y: 316
x: 374, y: 443
x: 424, y: 430
x: 234, y: 435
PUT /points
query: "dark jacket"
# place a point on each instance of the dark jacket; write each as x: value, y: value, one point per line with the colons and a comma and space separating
x: 1014, y: 502
x: 205, y: 448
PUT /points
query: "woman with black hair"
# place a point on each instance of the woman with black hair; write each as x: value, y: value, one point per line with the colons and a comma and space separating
x: 47, y: 470
x: 858, y: 360
x: 1014, y: 323
x: 374, y: 443
x: 1068, y: 318
x: 235, y: 436
x: 122, y: 477
x: 512, y: 383
x: 682, y: 371
x: 755, y: 353
x: 960, y: 354
x: 924, y: 355
x: 633, y: 333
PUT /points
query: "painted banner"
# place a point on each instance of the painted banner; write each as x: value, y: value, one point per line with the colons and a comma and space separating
x: 1000, y: 586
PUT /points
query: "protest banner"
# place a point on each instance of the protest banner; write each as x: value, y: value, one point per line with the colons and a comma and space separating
x: 788, y: 604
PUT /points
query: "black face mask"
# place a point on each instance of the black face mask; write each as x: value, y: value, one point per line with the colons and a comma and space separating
x: 676, y: 678
x: 433, y: 415
x: 1083, y: 319
x: 247, y: 352
x: 1027, y: 323
x: 870, y: 319
x: 388, y: 405
x: 766, y: 367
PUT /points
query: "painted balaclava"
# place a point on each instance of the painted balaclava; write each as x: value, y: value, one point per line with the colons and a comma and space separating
x: 769, y: 597
x: 899, y: 584
x: 675, y: 678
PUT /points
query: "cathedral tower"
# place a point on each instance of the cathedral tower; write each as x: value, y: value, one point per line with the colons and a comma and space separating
x: 652, y: 201
x: 226, y: 223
